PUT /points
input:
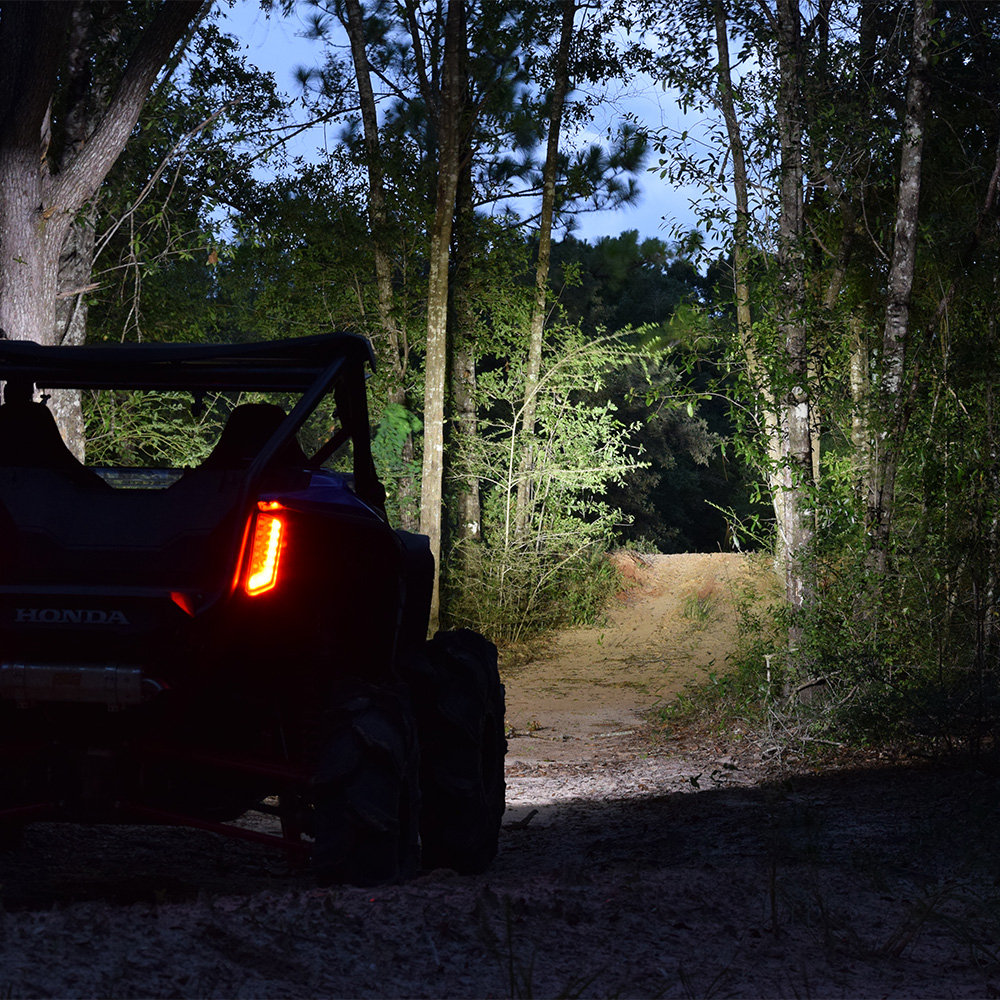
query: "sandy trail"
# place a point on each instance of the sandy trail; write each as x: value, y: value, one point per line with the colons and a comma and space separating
x: 672, y: 627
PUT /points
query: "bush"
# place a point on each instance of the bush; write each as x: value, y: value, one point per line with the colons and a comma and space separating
x: 543, y: 565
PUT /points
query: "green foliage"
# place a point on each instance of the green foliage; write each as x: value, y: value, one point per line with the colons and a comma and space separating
x: 527, y: 566
x: 698, y: 610
x: 176, y: 430
x: 394, y: 428
x: 904, y: 461
x: 161, y: 222
x: 533, y: 592
x: 621, y: 282
x: 915, y: 653
x: 210, y: 251
x: 648, y: 434
x: 155, y: 429
x: 395, y: 459
x: 678, y: 399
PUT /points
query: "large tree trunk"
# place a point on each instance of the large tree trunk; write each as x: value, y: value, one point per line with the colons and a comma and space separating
x: 534, y: 363
x: 84, y: 100
x: 31, y: 233
x: 43, y: 192
x: 888, y: 444
x: 435, y: 377
x: 76, y: 264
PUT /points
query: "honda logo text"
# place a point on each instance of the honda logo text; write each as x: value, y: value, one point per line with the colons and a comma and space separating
x: 69, y: 616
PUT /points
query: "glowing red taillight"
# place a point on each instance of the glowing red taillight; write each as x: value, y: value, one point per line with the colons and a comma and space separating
x: 265, y: 550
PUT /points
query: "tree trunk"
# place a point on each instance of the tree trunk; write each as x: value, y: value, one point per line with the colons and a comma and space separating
x: 757, y: 374
x: 463, y: 377
x: 887, y: 447
x: 84, y: 101
x: 76, y: 264
x: 785, y: 414
x: 534, y: 364
x: 31, y: 232
x: 43, y: 191
x: 795, y: 530
x: 860, y: 428
x: 435, y: 378
x: 378, y: 224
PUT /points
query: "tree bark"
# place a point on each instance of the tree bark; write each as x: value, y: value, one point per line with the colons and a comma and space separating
x: 43, y: 193
x: 435, y: 378
x: 378, y: 223
x: 794, y: 526
x: 741, y: 190
x: 784, y: 410
x: 534, y: 362
x: 757, y: 373
x: 85, y: 98
x: 860, y: 429
x: 888, y: 443
x: 463, y: 376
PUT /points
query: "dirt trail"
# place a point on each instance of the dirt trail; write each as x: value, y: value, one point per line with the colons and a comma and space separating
x: 627, y: 866
x: 674, y: 625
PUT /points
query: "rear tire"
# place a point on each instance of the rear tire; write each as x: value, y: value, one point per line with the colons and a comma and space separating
x: 459, y: 704
x: 366, y: 797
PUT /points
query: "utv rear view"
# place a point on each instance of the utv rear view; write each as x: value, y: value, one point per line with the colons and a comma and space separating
x: 182, y: 645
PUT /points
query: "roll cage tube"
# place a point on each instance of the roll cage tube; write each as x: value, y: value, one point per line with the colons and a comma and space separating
x: 352, y: 405
x: 277, y: 366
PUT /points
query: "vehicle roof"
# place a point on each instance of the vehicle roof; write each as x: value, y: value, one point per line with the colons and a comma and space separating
x: 290, y: 365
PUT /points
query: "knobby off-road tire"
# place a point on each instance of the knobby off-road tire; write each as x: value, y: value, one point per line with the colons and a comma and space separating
x: 366, y: 797
x: 459, y: 704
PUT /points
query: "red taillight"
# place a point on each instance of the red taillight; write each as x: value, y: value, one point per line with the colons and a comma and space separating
x: 265, y: 550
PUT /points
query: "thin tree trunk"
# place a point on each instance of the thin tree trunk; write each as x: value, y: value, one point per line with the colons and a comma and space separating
x: 741, y: 188
x: 991, y: 611
x: 796, y: 430
x: 756, y: 371
x: 463, y: 377
x: 378, y: 224
x: 772, y: 413
x: 377, y: 216
x: 860, y: 428
x: 432, y: 479
x: 885, y: 464
x: 535, y: 337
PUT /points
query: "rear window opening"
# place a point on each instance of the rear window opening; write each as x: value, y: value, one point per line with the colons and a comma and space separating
x: 143, y: 431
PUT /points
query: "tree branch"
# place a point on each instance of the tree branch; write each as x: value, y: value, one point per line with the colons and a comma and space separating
x: 74, y: 186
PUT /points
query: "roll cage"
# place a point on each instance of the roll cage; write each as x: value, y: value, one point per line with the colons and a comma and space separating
x: 312, y: 366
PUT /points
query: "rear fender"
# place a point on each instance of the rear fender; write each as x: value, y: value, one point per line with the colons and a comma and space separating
x: 418, y: 585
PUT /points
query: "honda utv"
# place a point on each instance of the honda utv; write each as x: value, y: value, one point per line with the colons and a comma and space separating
x: 183, y: 645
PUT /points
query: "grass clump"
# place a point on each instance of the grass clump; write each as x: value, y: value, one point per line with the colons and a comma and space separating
x: 701, y: 606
